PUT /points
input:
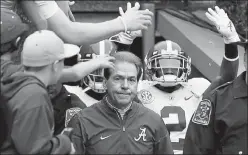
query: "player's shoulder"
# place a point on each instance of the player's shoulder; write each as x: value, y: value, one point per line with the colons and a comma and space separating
x: 144, y: 84
x: 198, y: 85
x: 198, y: 81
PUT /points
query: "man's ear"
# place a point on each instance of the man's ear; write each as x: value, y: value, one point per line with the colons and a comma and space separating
x: 55, y: 66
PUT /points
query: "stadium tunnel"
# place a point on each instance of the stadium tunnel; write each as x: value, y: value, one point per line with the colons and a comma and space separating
x: 190, y: 30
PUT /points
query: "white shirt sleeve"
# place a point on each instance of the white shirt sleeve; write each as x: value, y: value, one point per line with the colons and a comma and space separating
x: 47, y: 8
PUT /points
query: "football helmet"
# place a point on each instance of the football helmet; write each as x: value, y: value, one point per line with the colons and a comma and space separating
x: 167, y: 65
x: 95, y: 80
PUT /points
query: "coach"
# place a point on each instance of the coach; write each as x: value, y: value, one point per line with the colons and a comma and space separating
x: 117, y: 124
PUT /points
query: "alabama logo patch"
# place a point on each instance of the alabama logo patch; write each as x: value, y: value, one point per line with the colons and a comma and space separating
x: 70, y: 113
x: 203, y: 112
x: 145, y: 97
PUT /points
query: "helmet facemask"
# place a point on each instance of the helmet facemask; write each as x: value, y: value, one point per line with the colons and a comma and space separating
x: 169, y: 69
x: 96, y: 81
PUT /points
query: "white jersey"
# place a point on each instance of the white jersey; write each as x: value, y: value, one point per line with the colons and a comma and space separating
x: 85, y: 98
x: 176, y: 108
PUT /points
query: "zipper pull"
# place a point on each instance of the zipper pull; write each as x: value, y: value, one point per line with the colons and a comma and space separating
x: 123, y: 129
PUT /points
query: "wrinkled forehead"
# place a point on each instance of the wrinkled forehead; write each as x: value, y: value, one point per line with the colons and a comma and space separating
x: 124, y: 69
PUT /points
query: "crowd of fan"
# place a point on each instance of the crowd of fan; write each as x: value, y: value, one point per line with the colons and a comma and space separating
x: 40, y: 51
x: 33, y: 49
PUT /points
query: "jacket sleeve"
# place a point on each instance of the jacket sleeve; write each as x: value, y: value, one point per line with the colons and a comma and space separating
x: 32, y: 131
x: 162, y: 140
x: 228, y: 68
x: 201, y: 137
x: 78, y: 136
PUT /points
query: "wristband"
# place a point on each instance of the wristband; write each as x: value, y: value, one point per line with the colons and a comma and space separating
x: 124, y: 23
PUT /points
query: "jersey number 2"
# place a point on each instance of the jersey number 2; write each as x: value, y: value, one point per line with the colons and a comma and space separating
x: 165, y: 112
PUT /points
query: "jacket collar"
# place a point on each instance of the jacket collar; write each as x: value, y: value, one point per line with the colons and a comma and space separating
x: 133, y: 108
x: 240, y: 86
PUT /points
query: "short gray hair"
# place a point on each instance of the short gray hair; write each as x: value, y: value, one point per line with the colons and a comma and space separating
x: 126, y: 56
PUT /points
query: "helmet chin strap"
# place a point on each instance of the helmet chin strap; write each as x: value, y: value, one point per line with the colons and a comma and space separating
x: 168, y: 89
x: 167, y: 83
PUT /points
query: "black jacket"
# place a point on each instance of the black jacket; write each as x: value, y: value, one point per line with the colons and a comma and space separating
x: 219, y: 125
x: 29, y: 116
x: 99, y: 129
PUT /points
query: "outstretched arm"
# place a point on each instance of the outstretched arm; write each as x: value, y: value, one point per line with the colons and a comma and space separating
x: 88, y: 33
x: 81, y: 69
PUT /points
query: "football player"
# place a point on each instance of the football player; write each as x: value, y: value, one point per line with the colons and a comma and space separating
x: 171, y: 94
x: 91, y: 89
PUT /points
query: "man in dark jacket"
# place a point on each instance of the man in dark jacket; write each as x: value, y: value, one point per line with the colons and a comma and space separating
x: 219, y: 125
x: 117, y: 124
x: 29, y: 111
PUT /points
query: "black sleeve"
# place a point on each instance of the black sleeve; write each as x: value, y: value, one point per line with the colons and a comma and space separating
x: 228, y: 68
x: 32, y: 131
x: 78, y: 136
x: 162, y: 140
x: 200, y: 137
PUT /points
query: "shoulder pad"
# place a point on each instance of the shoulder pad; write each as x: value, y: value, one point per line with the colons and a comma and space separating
x: 198, y: 86
x: 144, y: 84
x: 70, y: 113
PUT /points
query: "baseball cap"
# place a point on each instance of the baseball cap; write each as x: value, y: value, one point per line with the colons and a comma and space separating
x: 11, y: 26
x: 44, y: 47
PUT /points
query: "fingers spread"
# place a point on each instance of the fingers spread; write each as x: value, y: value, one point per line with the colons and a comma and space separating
x: 121, y: 11
x: 137, y: 5
x: 129, y: 6
x: 212, y: 12
x: 217, y: 9
x: 210, y: 17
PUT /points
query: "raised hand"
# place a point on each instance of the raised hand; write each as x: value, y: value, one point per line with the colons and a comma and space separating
x: 104, y: 61
x: 136, y: 19
x: 223, y: 24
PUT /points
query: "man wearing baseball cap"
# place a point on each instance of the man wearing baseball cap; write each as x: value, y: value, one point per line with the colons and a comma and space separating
x: 13, y: 34
x: 13, y: 31
x: 29, y: 112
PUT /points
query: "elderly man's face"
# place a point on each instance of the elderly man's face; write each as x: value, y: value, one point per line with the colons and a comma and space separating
x: 122, y: 84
